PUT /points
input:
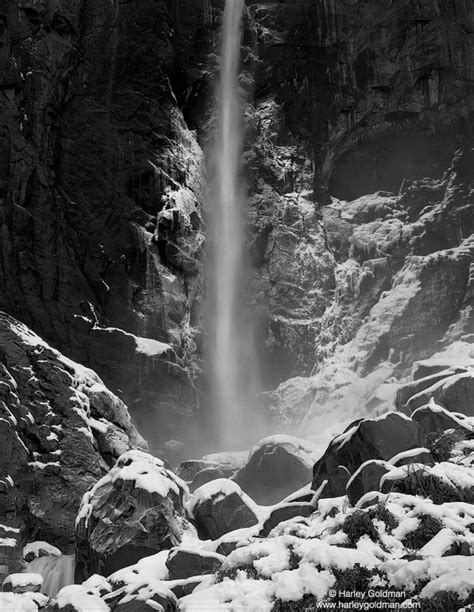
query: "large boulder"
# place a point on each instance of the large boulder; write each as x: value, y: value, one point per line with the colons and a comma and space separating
x: 285, y: 512
x: 433, y: 418
x: 277, y: 466
x: 420, y: 384
x: 61, y: 429
x: 380, y: 438
x: 197, y: 472
x: 77, y: 598
x: 134, y: 511
x: 22, y: 583
x: 219, y: 507
x: 453, y: 391
x: 366, y: 478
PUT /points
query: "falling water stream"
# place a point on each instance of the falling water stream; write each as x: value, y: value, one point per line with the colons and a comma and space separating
x: 231, y: 360
x: 57, y: 572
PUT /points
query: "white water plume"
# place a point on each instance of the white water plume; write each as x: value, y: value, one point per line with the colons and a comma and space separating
x: 57, y: 572
x: 232, y: 364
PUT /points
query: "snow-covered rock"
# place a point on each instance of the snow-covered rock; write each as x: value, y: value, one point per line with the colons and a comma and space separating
x: 145, y: 501
x: 220, y: 507
x: 277, y: 466
x: 380, y: 438
x: 22, y: 583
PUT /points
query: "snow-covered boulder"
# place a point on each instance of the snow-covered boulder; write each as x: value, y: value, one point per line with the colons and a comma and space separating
x: 285, y: 512
x: 366, y: 479
x: 197, y: 472
x: 380, y: 438
x: 433, y: 418
x: 141, y: 587
x: 277, y: 466
x: 77, y: 598
x: 452, y: 389
x: 23, y: 583
x: 23, y: 602
x: 134, y: 511
x: 219, y: 507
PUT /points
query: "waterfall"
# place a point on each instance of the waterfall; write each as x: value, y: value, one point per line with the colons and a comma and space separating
x: 57, y: 572
x: 230, y: 356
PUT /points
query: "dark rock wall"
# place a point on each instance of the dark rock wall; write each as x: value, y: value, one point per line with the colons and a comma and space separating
x: 380, y: 90
x: 101, y: 189
x: 93, y: 148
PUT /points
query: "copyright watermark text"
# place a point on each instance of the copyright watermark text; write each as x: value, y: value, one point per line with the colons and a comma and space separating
x: 372, y: 599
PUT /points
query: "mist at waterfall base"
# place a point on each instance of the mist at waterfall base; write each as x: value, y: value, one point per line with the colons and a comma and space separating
x: 232, y: 365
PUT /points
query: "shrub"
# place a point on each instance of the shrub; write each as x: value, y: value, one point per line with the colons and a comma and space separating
x: 231, y: 572
x: 434, y: 488
x: 381, y: 513
x: 445, y: 601
x: 441, y: 443
x: 357, y: 525
x: 308, y: 603
x: 355, y: 579
x: 426, y: 530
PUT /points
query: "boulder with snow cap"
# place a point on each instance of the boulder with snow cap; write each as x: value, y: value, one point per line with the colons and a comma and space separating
x: 134, y: 511
x: 77, y: 598
x: 23, y: 583
x: 146, y: 598
x: 187, y: 562
x: 421, y: 383
x: 277, y: 466
x: 219, y: 507
x: 433, y: 418
x: 380, y: 438
x: 285, y: 512
x: 453, y: 391
x: 366, y: 479
x: 197, y: 472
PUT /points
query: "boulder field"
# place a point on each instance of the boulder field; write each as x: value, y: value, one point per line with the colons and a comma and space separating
x: 385, y: 510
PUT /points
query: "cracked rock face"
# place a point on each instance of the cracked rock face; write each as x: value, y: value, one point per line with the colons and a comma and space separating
x: 61, y: 430
x: 378, y: 90
x: 93, y: 148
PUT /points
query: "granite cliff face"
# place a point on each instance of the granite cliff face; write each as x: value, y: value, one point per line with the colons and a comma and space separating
x: 359, y: 164
x: 105, y: 109
x: 100, y: 184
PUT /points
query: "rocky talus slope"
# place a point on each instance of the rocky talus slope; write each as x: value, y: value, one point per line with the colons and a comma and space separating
x: 387, y: 519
